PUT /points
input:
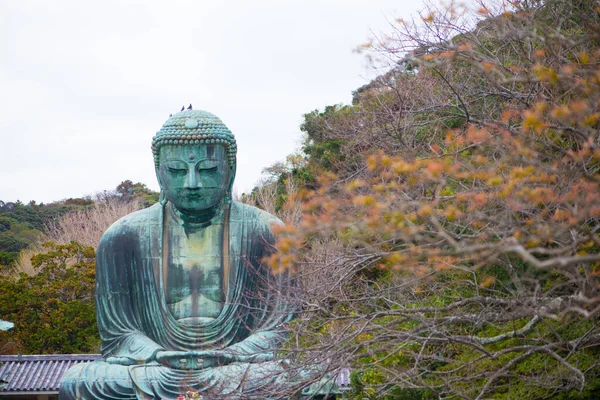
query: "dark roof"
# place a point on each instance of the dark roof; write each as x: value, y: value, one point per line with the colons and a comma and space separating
x: 37, y: 373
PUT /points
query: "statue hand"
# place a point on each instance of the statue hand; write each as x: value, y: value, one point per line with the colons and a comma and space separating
x: 193, y: 359
x: 214, y: 358
x: 120, y: 361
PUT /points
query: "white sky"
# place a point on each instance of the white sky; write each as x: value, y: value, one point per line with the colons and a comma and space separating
x: 84, y: 85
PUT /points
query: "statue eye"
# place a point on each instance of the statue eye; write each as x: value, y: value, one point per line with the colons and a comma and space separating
x: 208, y: 165
x: 205, y: 169
x: 176, y: 169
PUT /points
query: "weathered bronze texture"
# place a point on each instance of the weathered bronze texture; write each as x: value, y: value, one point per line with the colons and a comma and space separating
x: 183, y: 297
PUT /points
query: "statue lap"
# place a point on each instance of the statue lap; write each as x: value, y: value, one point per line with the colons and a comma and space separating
x: 101, y: 380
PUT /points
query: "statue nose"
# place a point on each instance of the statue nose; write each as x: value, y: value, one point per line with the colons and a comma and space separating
x: 191, y: 181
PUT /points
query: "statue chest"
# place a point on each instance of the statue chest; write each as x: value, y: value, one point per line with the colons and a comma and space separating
x: 194, y: 274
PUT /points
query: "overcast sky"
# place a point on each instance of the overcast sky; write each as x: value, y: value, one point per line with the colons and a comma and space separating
x: 84, y: 85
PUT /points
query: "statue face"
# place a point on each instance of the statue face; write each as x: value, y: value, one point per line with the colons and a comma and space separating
x: 194, y: 178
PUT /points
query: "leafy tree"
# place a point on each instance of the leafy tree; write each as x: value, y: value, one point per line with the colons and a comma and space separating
x: 21, y: 226
x: 54, y: 310
x: 130, y: 191
x: 78, y: 202
x: 457, y: 253
x: 12, y: 244
x: 7, y: 258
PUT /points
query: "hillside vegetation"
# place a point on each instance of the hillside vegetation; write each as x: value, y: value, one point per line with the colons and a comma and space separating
x: 47, y: 268
x: 449, y: 242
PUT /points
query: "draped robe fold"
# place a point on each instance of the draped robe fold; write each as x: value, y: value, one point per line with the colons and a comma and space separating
x: 135, y: 322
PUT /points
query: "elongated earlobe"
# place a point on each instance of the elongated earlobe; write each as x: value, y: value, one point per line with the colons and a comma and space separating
x: 163, y: 198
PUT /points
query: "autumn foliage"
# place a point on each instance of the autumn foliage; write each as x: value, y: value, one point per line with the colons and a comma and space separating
x: 450, y: 244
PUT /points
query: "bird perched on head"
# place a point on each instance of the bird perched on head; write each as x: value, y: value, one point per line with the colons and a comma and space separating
x: 190, y: 106
x: 182, y: 108
x: 170, y: 115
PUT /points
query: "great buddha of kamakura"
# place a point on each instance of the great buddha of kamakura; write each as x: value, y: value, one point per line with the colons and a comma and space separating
x: 184, y: 299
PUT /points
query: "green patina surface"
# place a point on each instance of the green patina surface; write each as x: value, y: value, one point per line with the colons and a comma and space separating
x: 194, y: 127
x: 184, y: 301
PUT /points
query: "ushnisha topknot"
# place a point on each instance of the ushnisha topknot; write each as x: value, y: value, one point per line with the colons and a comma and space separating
x: 193, y: 127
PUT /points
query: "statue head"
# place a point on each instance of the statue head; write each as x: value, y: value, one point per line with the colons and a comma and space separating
x: 195, y: 161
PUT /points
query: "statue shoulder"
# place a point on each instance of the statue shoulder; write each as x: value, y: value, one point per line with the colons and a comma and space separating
x: 132, y: 223
x: 253, y: 214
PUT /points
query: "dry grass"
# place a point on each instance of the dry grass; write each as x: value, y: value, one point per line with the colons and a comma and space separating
x: 265, y: 197
x: 84, y: 226
x: 23, y: 262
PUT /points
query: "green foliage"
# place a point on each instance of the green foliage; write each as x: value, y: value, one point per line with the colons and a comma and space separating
x: 53, y: 211
x: 5, y: 223
x: 11, y: 243
x: 315, y: 122
x: 22, y: 225
x: 324, y: 154
x: 29, y: 215
x: 7, y: 258
x: 137, y: 191
x: 53, y: 311
x: 79, y: 202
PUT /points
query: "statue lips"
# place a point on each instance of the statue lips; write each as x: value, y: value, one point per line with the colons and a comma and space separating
x: 199, y: 193
x: 194, y: 194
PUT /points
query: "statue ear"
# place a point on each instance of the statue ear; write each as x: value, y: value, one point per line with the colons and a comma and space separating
x: 157, y: 171
x: 231, y: 179
x: 162, y: 199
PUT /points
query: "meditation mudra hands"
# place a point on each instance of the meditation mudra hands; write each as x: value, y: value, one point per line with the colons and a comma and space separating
x: 186, y: 360
x: 194, y: 359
